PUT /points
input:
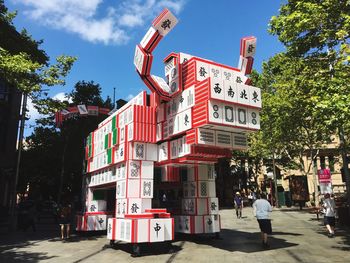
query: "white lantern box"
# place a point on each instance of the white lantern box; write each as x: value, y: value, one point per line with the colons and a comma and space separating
x: 200, y: 206
x: 98, y: 222
x: 131, y: 206
x: 212, y: 224
x: 144, y: 230
x: 178, y: 123
x: 201, y: 173
x: 150, y: 41
x: 248, y: 46
x: 139, y: 169
x: 165, y: 22
x: 223, y: 139
x: 111, y: 228
x: 160, y: 113
x: 194, y: 206
x: 137, y: 188
x: 172, y: 69
x: 120, y: 153
x: 189, y: 224
x: 199, y: 189
x: 239, y: 141
x: 197, y: 224
x: 92, y: 222
x: 142, y: 61
x: 159, y: 132
x: 97, y: 206
x: 163, y: 151
x: 143, y: 151
x: 157, y: 87
x: 217, y: 114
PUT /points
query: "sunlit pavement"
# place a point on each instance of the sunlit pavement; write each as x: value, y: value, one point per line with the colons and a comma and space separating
x: 297, y: 237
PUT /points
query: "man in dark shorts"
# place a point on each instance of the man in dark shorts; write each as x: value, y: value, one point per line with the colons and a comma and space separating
x: 262, y: 208
x: 329, y: 216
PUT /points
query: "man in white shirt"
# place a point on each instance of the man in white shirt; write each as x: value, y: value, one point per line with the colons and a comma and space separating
x: 262, y: 208
x: 329, y: 216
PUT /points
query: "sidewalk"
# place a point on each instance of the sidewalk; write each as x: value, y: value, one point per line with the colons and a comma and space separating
x: 297, y: 237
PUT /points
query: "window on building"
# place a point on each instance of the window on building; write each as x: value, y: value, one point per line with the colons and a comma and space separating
x: 323, y: 162
x: 3, y: 91
x: 331, y: 162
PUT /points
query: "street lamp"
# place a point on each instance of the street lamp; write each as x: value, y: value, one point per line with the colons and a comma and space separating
x: 13, y: 218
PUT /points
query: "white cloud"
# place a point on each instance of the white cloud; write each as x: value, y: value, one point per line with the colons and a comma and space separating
x: 93, y: 20
x: 129, y: 97
x: 62, y: 97
x: 33, y: 113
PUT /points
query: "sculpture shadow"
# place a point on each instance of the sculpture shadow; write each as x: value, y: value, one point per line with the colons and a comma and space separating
x: 148, y: 249
x: 234, y: 240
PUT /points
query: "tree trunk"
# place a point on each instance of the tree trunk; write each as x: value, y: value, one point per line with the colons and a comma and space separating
x: 314, y: 176
x: 59, y: 195
x: 345, y: 164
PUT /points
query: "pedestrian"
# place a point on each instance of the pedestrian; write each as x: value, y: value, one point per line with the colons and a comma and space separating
x: 251, y: 197
x: 262, y: 208
x: 238, y: 202
x: 329, y: 214
x: 65, y: 220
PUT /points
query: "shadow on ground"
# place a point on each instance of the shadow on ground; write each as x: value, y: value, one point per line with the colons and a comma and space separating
x: 341, y: 239
x: 13, y: 245
x: 148, y: 249
x: 234, y: 240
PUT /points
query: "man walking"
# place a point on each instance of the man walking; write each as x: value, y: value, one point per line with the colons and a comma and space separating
x: 238, y: 202
x: 329, y: 216
x: 262, y: 208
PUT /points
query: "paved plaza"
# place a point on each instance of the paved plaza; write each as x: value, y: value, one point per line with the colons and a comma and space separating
x: 298, y: 237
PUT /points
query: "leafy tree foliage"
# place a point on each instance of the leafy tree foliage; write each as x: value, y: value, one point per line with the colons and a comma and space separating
x: 53, y: 159
x: 24, y: 66
x: 312, y: 76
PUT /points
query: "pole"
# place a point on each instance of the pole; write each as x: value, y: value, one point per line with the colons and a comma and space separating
x: 113, y: 97
x: 345, y: 164
x: 13, y: 216
x: 275, y: 178
x: 314, y: 175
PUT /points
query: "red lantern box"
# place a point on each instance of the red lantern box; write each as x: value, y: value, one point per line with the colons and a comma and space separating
x: 150, y: 41
x: 142, y: 61
x: 245, y: 64
x: 144, y: 132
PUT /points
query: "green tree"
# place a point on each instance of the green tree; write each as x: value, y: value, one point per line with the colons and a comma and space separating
x: 53, y: 159
x: 317, y: 33
x: 26, y: 67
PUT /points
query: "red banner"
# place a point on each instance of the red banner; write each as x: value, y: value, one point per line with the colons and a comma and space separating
x: 324, y: 176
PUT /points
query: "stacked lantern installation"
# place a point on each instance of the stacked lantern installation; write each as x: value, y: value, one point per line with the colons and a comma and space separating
x: 199, y: 113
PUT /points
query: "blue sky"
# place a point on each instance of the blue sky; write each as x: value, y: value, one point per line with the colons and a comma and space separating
x: 102, y: 34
